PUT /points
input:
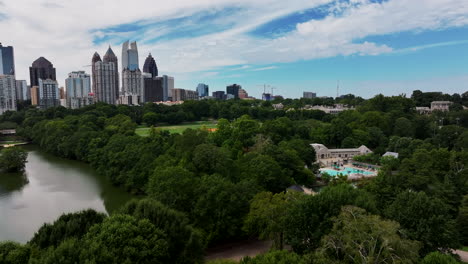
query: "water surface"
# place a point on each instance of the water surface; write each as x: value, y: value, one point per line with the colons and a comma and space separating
x: 50, y: 187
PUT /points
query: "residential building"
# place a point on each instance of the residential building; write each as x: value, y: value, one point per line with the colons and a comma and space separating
x: 440, y: 106
x: 309, y: 95
x: 218, y: 95
x: 243, y: 94
x: 132, y: 84
x: 203, y: 90
x: 23, y: 92
x: 150, y: 66
x: 78, y: 92
x: 41, y: 69
x: 110, y: 57
x: 47, y: 94
x: 129, y: 99
x: 104, y: 81
x: 323, y: 153
x: 7, y: 60
x: 233, y: 89
x: 183, y: 95
x: 7, y: 93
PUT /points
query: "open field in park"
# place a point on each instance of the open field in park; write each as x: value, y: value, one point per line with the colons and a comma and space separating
x: 145, y: 130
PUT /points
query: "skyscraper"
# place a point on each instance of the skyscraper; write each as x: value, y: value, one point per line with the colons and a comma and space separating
x: 78, y: 90
x: 104, y: 78
x: 233, y: 90
x: 41, y: 69
x: 132, y: 81
x: 7, y: 93
x: 7, y: 60
x: 22, y: 91
x: 130, y: 56
x: 202, y: 90
x: 150, y: 66
x: 110, y: 57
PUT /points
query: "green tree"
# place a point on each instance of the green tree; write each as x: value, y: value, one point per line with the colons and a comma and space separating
x: 462, y: 221
x: 357, y: 237
x: 124, y: 239
x: 72, y: 225
x: 425, y: 219
x: 174, y: 186
x: 438, y: 258
x: 268, y: 214
x: 185, y: 244
x: 311, y: 218
x: 14, y: 253
x: 13, y: 159
x: 403, y: 127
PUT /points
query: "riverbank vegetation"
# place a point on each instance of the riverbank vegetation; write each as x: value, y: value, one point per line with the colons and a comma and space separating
x: 205, y: 188
x: 13, y: 159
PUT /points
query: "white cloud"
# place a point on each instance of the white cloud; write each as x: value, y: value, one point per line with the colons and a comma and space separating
x: 65, y: 35
x: 265, y: 68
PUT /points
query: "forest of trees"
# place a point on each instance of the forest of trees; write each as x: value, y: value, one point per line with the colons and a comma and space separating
x: 201, y: 189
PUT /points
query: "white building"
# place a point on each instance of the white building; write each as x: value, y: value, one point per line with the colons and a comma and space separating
x: 322, y: 152
x: 23, y: 93
x: 78, y: 90
x: 7, y: 93
x: 336, y: 109
x: 440, y: 106
x: 132, y: 84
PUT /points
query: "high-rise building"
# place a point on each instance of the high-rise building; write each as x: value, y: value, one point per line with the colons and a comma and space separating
x: 78, y: 90
x: 23, y: 92
x: 46, y: 94
x: 203, y: 90
x: 168, y: 86
x: 7, y: 60
x: 150, y: 66
x: 219, y: 95
x: 104, y: 81
x: 130, y: 56
x: 233, y: 89
x: 132, y: 81
x: 152, y: 88
x: 41, y: 69
x: 7, y: 93
x: 110, y: 57
x: 309, y: 95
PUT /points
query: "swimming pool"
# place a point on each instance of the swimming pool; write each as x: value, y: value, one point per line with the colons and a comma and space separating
x: 346, y: 171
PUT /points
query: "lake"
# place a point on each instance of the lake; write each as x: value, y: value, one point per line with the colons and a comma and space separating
x: 50, y: 187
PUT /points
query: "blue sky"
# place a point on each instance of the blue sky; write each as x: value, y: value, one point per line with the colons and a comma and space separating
x: 370, y: 46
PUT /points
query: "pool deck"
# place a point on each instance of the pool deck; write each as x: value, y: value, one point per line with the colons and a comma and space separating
x: 355, y: 176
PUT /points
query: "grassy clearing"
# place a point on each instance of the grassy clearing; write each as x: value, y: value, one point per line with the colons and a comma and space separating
x: 145, y: 130
x: 464, y: 248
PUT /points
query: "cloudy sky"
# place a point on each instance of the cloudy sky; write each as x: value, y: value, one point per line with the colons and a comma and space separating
x: 370, y: 46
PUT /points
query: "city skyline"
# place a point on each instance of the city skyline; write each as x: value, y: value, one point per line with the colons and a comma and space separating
x: 301, y: 46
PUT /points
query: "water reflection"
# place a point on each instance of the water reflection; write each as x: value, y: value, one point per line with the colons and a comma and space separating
x: 10, y: 182
x: 50, y: 187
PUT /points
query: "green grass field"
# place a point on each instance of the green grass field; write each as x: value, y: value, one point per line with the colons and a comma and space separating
x: 145, y: 130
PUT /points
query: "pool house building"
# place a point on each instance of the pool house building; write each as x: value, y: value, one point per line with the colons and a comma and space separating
x: 328, y: 156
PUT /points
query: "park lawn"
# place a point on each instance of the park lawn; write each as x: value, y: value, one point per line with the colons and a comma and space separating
x: 177, y: 129
x: 465, y: 248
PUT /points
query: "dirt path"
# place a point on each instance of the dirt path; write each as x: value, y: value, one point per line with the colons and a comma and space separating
x: 463, y: 255
x: 236, y: 251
